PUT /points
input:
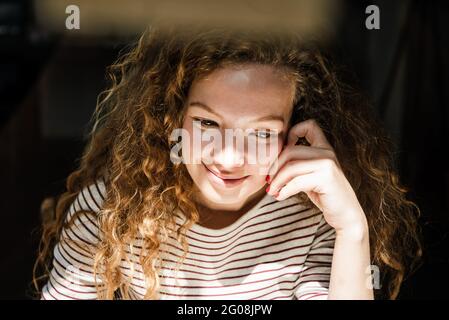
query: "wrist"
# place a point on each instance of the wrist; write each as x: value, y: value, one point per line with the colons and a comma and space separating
x: 357, y: 231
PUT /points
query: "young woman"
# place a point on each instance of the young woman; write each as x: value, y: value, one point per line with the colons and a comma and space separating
x: 324, y: 217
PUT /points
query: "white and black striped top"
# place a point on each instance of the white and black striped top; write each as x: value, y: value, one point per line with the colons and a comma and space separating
x: 277, y: 250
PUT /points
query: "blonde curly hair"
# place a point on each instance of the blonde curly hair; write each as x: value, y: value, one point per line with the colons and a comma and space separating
x: 129, y: 149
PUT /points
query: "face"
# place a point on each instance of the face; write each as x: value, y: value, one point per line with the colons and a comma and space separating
x: 241, y: 109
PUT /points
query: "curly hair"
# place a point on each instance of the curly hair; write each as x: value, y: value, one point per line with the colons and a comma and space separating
x: 129, y: 148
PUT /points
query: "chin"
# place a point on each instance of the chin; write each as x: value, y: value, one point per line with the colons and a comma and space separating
x: 223, y: 197
x: 224, y: 192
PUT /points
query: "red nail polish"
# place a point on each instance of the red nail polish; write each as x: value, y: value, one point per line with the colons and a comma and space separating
x: 267, y: 179
x: 267, y: 189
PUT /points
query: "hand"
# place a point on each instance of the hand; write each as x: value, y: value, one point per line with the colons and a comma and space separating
x: 315, y: 170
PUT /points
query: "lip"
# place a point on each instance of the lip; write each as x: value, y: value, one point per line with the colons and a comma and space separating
x: 223, y: 180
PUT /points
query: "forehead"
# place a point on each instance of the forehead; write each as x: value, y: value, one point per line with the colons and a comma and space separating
x: 245, y: 90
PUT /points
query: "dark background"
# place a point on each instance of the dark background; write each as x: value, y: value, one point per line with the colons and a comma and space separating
x: 49, y: 85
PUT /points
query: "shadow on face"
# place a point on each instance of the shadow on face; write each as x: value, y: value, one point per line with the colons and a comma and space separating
x: 243, y: 111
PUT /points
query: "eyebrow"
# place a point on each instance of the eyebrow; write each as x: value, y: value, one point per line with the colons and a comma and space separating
x: 209, y: 109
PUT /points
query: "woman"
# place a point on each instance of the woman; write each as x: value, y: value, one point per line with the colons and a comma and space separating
x: 153, y: 215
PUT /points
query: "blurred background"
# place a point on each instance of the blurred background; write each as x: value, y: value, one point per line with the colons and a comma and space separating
x: 50, y: 77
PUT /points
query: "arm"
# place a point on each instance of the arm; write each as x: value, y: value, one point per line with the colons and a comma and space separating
x: 316, y: 171
x: 351, y: 260
x: 72, y: 275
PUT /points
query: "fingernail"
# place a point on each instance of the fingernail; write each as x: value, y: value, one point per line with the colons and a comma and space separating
x: 267, y: 178
x: 276, y: 195
x: 267, y: 189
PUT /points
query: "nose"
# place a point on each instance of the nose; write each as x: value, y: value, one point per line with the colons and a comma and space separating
x: 229, y: 158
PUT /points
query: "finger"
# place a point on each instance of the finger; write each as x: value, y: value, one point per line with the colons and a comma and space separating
x: 299, y: 152
x: 303, y: 183
x: 291, y: 170
x: 311, y: 131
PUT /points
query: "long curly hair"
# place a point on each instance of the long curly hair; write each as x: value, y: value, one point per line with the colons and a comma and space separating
x: 129, y: 148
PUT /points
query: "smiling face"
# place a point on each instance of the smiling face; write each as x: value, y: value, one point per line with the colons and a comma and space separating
x: 255, y: 103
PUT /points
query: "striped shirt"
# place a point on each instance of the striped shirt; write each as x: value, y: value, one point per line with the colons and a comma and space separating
x: 276, y: 250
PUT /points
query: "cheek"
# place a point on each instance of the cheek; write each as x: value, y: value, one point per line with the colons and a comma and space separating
x: 274, y: 149
x: 196, y: 173
x: 259, y: 162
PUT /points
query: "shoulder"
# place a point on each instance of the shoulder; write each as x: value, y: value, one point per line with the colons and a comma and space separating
x: 91, y: 197
x: 82, y: 215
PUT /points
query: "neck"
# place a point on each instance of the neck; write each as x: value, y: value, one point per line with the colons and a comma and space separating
x: 208, y: 210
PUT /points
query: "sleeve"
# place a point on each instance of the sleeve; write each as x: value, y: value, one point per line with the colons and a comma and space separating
x: 72, y: 276
x: 315, y: 275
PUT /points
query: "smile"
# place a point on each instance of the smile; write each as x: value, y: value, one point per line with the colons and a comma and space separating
x: 228, y: 182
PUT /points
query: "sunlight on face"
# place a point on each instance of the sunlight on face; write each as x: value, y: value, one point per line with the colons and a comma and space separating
x: 248, y: 98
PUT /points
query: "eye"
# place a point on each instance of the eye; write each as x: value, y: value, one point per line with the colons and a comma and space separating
x: 265, y: 134
x: 204, y: 123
